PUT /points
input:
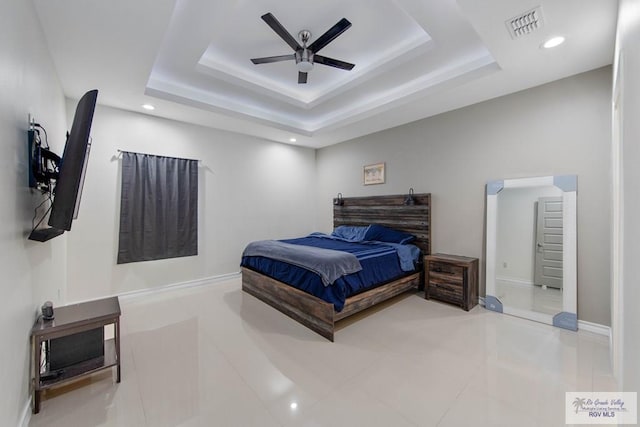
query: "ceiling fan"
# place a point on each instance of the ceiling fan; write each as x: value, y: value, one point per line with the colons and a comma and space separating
x: 305, y: 56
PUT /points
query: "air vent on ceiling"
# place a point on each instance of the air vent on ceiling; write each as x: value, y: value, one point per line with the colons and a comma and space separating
x: 525, y: 23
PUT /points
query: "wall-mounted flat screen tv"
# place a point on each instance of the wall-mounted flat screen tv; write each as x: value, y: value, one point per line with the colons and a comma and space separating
x: 73, y: 165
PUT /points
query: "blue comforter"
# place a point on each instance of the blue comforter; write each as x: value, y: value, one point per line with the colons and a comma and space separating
x: 381, y: 263
x: 329, y: 264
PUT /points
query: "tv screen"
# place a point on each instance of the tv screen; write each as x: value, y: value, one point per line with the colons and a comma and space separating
x: 73, y: 165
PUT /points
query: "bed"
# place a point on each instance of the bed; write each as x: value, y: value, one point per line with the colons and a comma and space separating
x: 320, y: 315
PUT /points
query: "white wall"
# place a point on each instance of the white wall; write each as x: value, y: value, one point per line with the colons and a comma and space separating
x: 31, y: 272
x: 249, y: 189
x: 626, y: 199
x: 558, y: 128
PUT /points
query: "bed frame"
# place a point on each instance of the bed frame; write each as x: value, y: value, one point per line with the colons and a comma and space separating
x: 319, y: 315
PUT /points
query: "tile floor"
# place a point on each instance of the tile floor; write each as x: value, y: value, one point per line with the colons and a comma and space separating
x: 214, y: 356
x: 529, y: 297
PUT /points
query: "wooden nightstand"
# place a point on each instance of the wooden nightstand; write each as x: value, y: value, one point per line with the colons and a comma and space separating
x: 452, y: 278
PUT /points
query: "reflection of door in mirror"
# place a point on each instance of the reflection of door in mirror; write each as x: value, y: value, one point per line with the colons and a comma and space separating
x: 548, y: 261
x: 529, y: 248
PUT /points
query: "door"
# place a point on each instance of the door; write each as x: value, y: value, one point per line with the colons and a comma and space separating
x: 548, y: 257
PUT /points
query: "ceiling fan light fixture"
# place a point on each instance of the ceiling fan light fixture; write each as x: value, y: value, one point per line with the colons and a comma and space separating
x: 304, y: 66
x: 304, y: 60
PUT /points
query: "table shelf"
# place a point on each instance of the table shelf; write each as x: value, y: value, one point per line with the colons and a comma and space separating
x: 88, y: 367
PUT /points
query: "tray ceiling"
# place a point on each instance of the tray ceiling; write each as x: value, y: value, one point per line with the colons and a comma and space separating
x: 414, y: 59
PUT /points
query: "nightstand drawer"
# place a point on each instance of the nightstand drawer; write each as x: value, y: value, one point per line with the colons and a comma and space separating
x: 446, y: 277
x: 445, y: 289
x: 445, y: 269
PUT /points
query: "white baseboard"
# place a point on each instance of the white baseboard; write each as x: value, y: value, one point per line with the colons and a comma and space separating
x: 514, y: 281
x: 172, y: 286
x: 182, y: 285
x: 594, y: 328
x: 26, y: 414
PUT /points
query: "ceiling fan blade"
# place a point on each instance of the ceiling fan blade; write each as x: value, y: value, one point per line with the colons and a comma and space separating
x: 302, y: 77
x: 319, y: 59
x: 281, y: 31
x: 331, y: 34
x: 269, y: 59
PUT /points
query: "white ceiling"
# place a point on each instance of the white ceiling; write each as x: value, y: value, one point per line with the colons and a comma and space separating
x: 414, y: 59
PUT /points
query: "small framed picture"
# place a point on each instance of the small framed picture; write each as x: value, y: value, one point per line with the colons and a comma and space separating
x: 374, y: 174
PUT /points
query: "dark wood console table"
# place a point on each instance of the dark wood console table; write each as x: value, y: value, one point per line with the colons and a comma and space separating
x: 69, y: 320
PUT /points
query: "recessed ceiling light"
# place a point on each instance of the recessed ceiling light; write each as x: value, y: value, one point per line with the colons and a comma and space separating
x: 553, y: 42
x: 148, y: 107
x: 292, y: 140
x: 293, y: 405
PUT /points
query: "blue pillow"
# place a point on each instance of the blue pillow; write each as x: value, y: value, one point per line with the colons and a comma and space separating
x: 350, y: 233
x: 384, y: 234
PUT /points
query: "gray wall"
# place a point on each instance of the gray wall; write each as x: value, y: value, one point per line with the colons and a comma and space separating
x: 31, y: 271
x: 558, y: 128
x: 249, y: 188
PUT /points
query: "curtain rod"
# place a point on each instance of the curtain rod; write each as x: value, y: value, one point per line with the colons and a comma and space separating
x: 157, y: 155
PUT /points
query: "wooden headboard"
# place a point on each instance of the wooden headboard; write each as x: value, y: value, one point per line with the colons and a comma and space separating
x: 391, y: 212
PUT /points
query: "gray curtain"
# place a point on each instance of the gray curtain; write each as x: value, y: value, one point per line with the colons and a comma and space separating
x: 158, y: 208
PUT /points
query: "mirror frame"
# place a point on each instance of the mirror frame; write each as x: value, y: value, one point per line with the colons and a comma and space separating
x: 567, y: 318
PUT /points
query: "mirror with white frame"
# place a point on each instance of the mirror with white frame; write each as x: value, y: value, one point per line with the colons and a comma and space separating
x: 531, y: 259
